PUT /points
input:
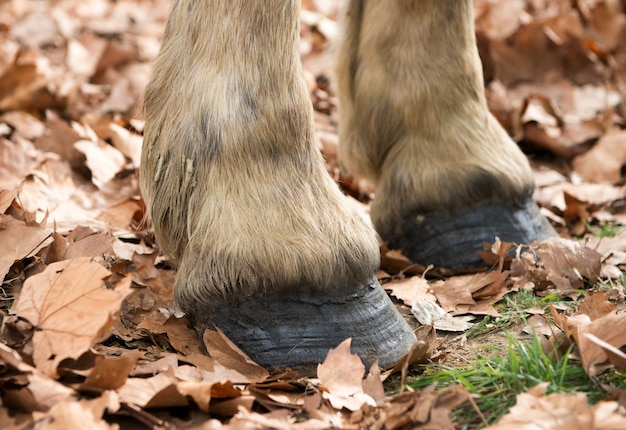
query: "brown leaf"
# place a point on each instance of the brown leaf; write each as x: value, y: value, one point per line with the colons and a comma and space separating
x: 182, y: 338
x: 615, y: 355
x: 454, y: 292
x: 71, y: 414
x: 560, y: 411
x: 560, y: 264
x: 426, y: 409
x: 122, y: 215
x: 538, y: 324
x: 203, y: 391
x: 25, y: 241
x: 373, y: 384
x: 71, y: 307
x: 410, y: 290
x: 280, y: 419
x: 17, y: 161
x: 59, y: 137
x: 230, y: 356
x: 420, y: 352
x: 158, y: 391
x: 341, y: 377
x: 6, y: 199
x: 605, y: 161
x: 81, y: 242
x: 496, y: 254
x: 569, y: 263
x: 104, y: 160
x: 609, y: 328
x: 150, y: 368
x: 37, y: 393
x: 110, y: 373
x: 24, y: 84
x: 595, y: 305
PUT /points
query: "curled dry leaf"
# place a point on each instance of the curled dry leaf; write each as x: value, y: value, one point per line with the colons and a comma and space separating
x: 37, y: 392
x: 558, y: 264
x: 430, y: 313
x: 25, y: 240
x: 610, y: 153
x: 73, y: 414
x: 104, y: 160
x: 158, y: 391
x: 615, y: 355
x: 535, y: 410
x: 280, y: 420
x: 607, y: 329
x: 474, y: 294
x: 232, y: 357
x: 71, y: 307
x: 203, y: 391
x: 81, y: 242
x: 426, y: 409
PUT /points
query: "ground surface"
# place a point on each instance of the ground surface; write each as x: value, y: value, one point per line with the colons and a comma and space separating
x: 90, y: 337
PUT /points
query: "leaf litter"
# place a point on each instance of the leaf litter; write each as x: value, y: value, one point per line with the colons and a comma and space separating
x: 91, y: 337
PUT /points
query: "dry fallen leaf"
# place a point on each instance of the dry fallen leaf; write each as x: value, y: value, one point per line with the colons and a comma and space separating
x: 229, y: 355
x: 535, y: 410
x: 558, y: 264
x: 474, y: 294
x: 110, y: 373
x: 37, y: 392
x: 71, y: 307
x: 72, y: 72
x: 410, y: 290
x: 610, y: 328
x: 429, y: 313
x: 25, y: 241
x: 341, y: 377
x: 72, y: 414
x: 158, y: 391
x: 605, y: 161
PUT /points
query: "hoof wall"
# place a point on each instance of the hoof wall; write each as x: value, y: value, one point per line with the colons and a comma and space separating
x: 453, y: 241
x: 297, y: 330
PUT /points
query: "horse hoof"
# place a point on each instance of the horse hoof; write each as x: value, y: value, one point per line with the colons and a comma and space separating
x: 453, y: 240
x: 296, y: 330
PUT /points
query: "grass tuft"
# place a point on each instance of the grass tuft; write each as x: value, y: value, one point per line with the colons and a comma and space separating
x: 497, y: 380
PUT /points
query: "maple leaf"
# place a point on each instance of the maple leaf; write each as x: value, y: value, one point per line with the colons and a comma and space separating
x: 71, y: 307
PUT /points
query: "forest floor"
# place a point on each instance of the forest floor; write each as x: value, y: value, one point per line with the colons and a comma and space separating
x: 90, y: 336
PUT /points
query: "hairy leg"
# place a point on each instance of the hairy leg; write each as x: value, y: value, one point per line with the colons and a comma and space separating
x: 239, y: 195
x: 414, y: 122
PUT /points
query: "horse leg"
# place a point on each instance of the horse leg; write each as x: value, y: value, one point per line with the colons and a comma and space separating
x: 413, y: 120
x: 240, y: 198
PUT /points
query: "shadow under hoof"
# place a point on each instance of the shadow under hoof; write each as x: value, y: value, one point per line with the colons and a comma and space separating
x: 297, y: 330
x: 452, y: 241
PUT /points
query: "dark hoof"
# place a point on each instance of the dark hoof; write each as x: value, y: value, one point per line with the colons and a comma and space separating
x: 453, y: 241
x: 297, y: 330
